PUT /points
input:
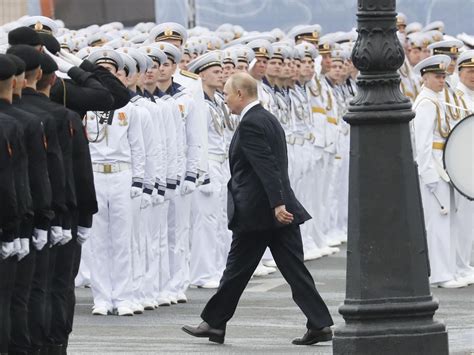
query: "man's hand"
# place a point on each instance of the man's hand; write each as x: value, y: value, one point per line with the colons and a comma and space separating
x: 282, y: 215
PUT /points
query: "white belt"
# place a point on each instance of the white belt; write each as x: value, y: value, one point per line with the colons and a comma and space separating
x: 221, y: 158
x: 109, y: 168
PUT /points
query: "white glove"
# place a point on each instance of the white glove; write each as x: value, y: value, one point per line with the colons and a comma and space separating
x: 158, y: 195
x: 146, y: 201
x: 157, y: 199
x: 187, y: 187
x: 25, y: 248
x: 40, y: 238
x: 67, y: 236
x: 71, y: 58
x: 16, y: 247
x: 6, y: 249
x: 135, y: 191
x: 56, y: 235
x: 432, y: 186
x: 63, y: 65
x: 206, y: 189
x: 83, y: 233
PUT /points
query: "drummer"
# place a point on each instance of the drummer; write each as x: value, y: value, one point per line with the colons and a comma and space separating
x: 431, y: 128
x: 463, y: 216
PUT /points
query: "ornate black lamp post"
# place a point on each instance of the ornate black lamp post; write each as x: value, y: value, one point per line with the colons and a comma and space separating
x: 388, y: 307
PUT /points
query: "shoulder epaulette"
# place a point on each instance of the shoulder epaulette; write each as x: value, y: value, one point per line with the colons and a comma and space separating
x: 178, y: 94
x: 135, y: 98
x: 189, y: 74
x: 459, y: 93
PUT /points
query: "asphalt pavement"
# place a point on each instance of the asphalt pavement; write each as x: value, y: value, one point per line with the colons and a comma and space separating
x: 265, y: 322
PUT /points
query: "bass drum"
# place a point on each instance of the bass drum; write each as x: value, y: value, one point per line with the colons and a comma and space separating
x: 459, y: 157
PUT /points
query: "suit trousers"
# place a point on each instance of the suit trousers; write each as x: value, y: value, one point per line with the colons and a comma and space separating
x: 59, y: 292
x: 71, y: 295
x: 20, y: 334
x: 7, y: 281
x: 245, y: 253
x: 37, y: 317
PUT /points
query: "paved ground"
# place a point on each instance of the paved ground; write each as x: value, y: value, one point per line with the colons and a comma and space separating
x: 265, y: 322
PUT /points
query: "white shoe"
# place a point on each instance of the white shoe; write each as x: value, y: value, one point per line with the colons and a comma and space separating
x: 334, y: 242
x: 260, y: 271
x: 313, y: 254
x: 173, y: 300
x: 269, y: 270
x: 163, y: 302
x: 100, y: 311
x: 148, y: 306
x: 137, y: 308
x: 124, y: 311
x: 209, y: 285
x: 343, y: 238
x: 468, y: 279
x: 452, y: 284
x: 269, y: 263
x: 182, y: 298
x: 326, y: 251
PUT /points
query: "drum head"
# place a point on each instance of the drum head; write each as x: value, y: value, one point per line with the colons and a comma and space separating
x: 459, y: 157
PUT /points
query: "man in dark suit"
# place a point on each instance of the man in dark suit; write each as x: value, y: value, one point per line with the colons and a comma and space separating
x: 263, y: 212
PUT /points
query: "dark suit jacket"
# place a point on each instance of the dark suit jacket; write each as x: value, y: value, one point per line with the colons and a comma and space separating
x: 259, y: 175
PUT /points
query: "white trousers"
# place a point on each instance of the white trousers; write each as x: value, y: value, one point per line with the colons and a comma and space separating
x: 111, y: 234
x: 138, y: 249
x: 84, y: 275
x: 207, y: 228
x: 441, y: 246
x: 150, y: 244
x: 343, y: 195
x: 325, y: 215
x: 302, y: 171
x: 225, y: 234
x: 160, y: 240
x: 462, y: 230
x: 179, y: 220
x: 315, y: 193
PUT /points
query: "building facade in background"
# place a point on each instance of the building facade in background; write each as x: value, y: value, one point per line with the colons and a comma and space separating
x: 257, y: 15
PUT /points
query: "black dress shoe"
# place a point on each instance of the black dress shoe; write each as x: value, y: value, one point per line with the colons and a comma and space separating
x: 204, y: 330
x: 313, y: 336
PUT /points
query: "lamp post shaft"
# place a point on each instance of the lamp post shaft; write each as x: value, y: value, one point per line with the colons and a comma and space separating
x: 388, y: 307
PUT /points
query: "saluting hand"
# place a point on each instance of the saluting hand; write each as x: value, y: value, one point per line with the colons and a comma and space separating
x: 282, y: 215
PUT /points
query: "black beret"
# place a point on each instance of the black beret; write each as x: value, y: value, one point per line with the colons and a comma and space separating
x: 28, y: 54
x: 7, y: 67
x: 50, y: 42
x: 20, y: 64
x: 48, y: 65
x: 24, y: 35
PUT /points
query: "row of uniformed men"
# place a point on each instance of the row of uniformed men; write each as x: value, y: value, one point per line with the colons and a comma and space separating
x: 178, y: 225
x: 437, y: 76
x: 48, y: 194
x: 439, y: 107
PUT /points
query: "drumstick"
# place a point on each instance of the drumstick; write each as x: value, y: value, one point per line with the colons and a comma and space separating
x: 458, y: 107
x: 443, y: 210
